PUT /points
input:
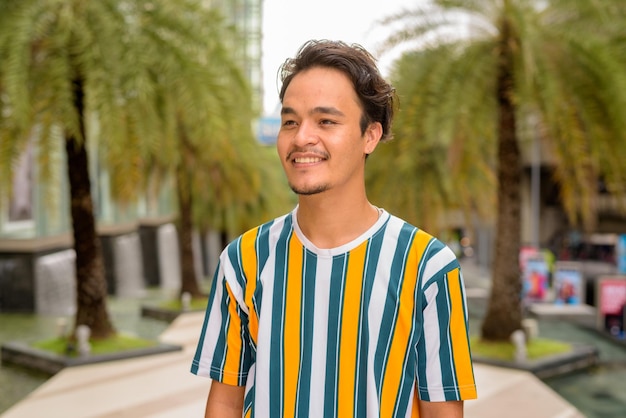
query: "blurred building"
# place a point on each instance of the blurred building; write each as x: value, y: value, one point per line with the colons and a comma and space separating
x: 247, y: 17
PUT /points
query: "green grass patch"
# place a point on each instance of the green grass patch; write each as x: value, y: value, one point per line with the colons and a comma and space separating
x: 536, y: 349
x: 196, y: 304
x: 115, y: 344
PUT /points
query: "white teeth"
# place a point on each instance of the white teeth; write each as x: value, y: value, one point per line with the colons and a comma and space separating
x: 307, y: 160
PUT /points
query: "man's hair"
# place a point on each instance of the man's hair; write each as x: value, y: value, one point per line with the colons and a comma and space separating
x: 376, y: 95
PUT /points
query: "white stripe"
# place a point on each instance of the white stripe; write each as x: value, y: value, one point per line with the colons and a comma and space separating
x: 377, y: 305
x: 437, y: 262
x: 320, y: 336
x: 262, y: 384
x: 432, y: 344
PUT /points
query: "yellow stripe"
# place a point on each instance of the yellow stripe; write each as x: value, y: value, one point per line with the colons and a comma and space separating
x: 415, y: 408
x: 249, y: 262
x: 459, y: 341
x: 293, y: 310
x: 233, y: 336
x: 395, y: 362
x: 350, y: 331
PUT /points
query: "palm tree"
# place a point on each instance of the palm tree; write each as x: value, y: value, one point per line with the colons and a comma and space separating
x: 482, y: 73
x: 420, y: 154
x: 72, y: 67
x: 205, y: 102
x: 209, y: 144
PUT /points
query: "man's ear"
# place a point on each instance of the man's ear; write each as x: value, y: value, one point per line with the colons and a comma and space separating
x: 372, y: 136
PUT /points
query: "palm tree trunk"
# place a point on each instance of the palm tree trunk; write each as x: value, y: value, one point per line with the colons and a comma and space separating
x: 185, y: 228
x: 91, y: 286
x: 504, y: 312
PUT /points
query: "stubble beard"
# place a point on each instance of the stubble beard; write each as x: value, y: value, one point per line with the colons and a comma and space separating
x: 309, y: 191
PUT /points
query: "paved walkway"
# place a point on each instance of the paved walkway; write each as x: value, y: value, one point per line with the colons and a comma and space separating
x: 161, y: 386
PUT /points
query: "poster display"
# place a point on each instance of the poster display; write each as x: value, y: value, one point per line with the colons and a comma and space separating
x: 611, y: 304
x: 568, y: 283
x: 535, y: 279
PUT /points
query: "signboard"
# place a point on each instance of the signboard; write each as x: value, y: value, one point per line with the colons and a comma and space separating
x: 535, y: 279
x: 568, y: 283
x: 611, y: 302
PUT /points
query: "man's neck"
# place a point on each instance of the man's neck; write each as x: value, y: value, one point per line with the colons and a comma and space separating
x: 330, y: 223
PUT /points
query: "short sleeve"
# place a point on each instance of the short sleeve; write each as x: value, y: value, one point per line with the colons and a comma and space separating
x: 444, y: 366
x: 224, y: 352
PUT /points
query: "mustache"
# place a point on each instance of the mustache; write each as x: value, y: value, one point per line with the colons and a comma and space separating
x: 312, y: 151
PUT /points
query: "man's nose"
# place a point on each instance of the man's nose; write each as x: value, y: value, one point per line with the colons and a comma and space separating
x: 306, y: 134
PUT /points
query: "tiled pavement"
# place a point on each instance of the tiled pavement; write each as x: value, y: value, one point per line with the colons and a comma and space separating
x: 161, y: 386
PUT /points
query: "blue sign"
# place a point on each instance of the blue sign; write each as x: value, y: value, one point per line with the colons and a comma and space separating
x: 268, y: 129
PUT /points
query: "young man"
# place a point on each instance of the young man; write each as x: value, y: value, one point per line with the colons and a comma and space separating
x: 337, y: 309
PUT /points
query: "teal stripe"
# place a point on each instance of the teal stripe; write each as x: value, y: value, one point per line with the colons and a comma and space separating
x: 422, y: 357
x: 337, y: 285
x: 262, y: 248
x: 408, y: 378
x: 248, y: 402
x: 262, y: 245
x: 443, y: 314
x: 219, y: 356
x: 303, y: 394
x: 373, y: 254
x: 245, y: 356
x: 195, y: 364
x: 234, y: 255
x: 276, y: 358
x: 390, y: 311
x: 405, y: 390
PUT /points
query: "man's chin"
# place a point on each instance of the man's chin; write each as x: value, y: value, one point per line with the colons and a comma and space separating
x: 309, y: 191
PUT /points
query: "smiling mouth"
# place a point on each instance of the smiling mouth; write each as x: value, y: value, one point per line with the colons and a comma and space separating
x: 307, y: 160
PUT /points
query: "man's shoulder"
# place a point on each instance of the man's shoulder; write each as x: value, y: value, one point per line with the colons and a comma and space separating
x: 403, y: 226
x: 431, y: 245
x: 250, y: 237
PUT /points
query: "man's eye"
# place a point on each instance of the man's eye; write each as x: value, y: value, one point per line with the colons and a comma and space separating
x: 327, y: 122
x: 289, y: 123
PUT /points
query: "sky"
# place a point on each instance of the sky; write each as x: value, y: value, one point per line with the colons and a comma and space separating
x: 287, y: 24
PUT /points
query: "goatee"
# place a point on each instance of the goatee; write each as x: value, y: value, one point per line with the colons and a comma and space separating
x: 303, y: 191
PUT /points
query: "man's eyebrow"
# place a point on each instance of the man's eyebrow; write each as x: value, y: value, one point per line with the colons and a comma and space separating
x: 287, y: 111
x: 327, y: 110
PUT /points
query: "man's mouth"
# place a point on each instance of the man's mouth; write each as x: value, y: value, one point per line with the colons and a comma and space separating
x: 306, y: 160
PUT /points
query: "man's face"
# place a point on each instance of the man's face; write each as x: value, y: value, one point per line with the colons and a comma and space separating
x: 320, y: 142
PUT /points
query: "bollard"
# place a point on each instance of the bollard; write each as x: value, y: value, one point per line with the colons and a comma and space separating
x: 82, y: 339
x: 61, y: 327
x: 518, y: 338
x: 185, y: 300
x: 531, y: 328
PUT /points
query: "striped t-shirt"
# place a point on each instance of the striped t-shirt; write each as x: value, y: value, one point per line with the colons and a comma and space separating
x: 355, y: 331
